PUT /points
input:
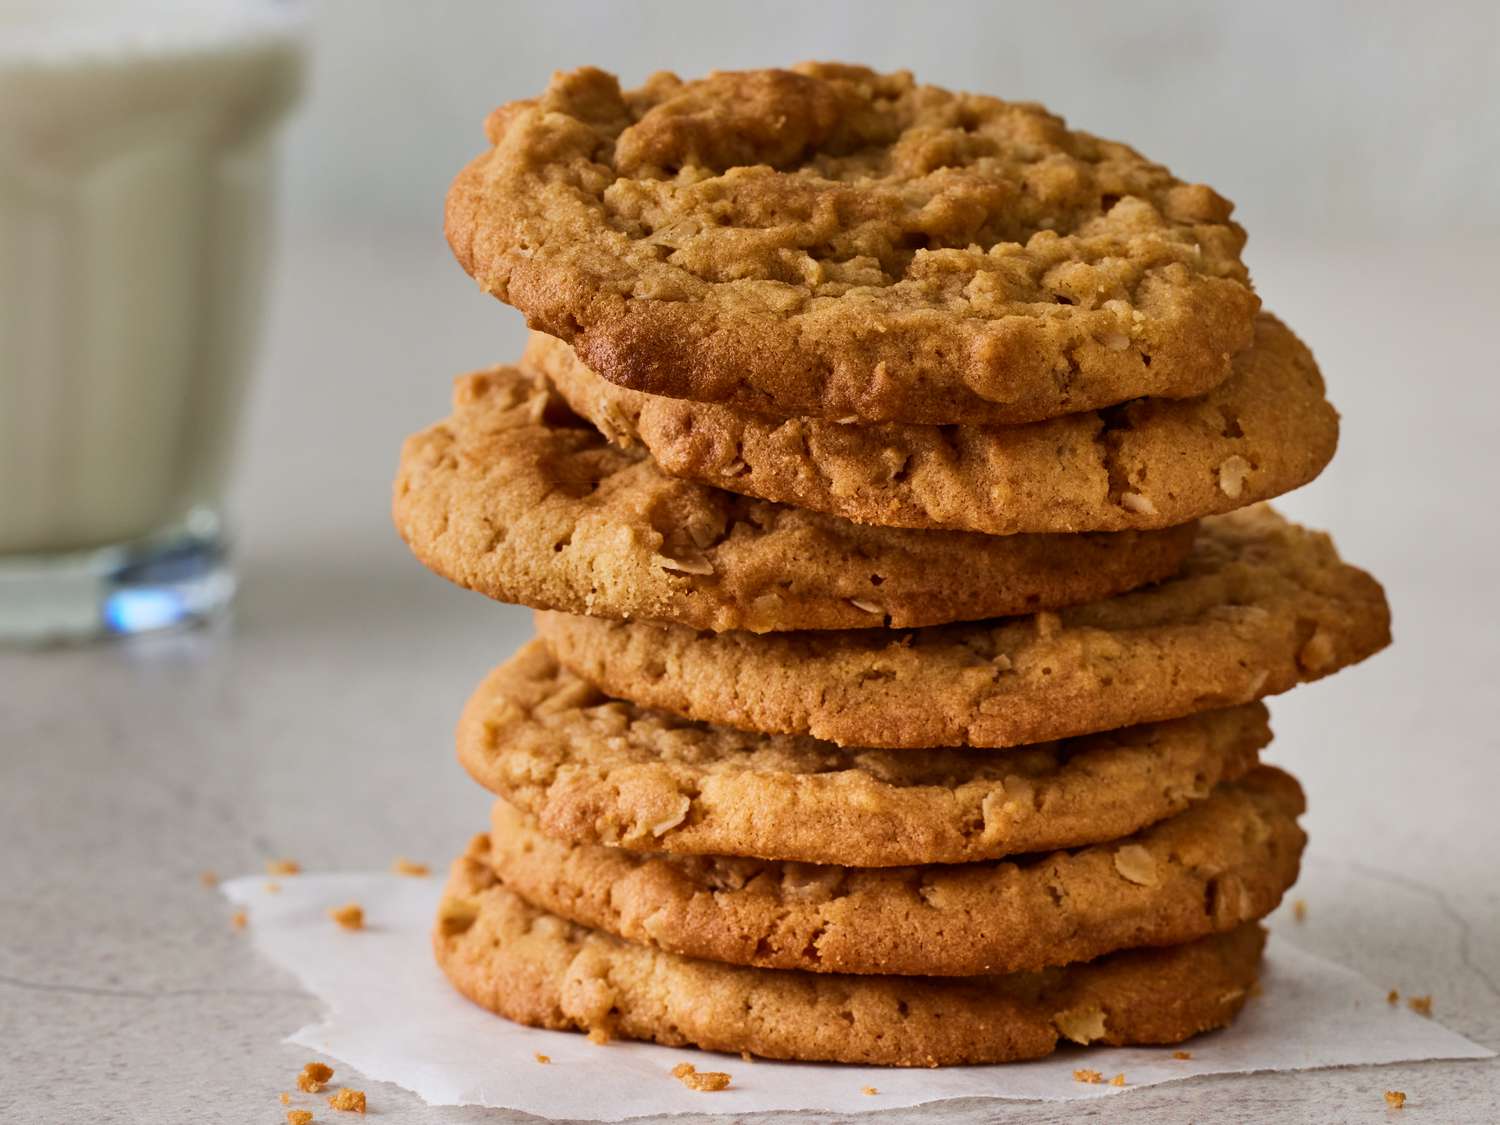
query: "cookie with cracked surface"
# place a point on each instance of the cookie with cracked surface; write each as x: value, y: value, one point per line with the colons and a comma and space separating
x: 594, y: 770
x: 1146, y: 464
x: 517, y: 497
x: 829, y: 241
x: 1225, y: 860
x: 536, y: 968
x: 1260, y: 606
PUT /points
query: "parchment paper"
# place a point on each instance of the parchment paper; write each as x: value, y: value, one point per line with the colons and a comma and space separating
x: 392, y: 1016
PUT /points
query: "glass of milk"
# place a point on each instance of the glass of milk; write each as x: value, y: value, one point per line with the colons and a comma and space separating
x: 136, y: 182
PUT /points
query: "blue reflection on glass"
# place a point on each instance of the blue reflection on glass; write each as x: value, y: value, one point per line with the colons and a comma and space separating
x: 139, y: 610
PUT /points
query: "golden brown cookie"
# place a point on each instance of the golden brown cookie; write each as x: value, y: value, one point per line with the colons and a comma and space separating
x: 536, y: 968
x: 1260, y: 606
x: 832, y: 242
x: 1149, y: 463
x: 520, y: 499
x: 593, y: 770
x: 1225, y: 860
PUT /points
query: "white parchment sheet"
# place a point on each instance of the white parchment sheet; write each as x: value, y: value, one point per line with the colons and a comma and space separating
x: 392, y: 1016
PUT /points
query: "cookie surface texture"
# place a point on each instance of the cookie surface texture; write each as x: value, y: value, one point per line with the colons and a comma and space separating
x: 518, y: 498
x: 829, y: 241
x: 1260, y: 606
x: 536, y: 968
x: 593, y: 770
x: 1151, y: 463
x: 1226, y: 860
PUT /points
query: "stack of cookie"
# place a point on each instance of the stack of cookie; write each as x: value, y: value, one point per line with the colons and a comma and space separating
x: 888, y: 465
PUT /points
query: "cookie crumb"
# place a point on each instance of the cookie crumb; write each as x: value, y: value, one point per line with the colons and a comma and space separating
x: 208, y: 878
x: 404, y: 866
x: 1299, y: 909
x: 299, y: 1117
x: 1396, y: 1099
x: 348, y: 1101
x: 351, y: 916
x: 1393, y: 997
x: 314, y: 1077
x: 694, y: 1079
x: 273, y: 888
x: 598, y: 1036
x: 286, y: 1099
x: 1422, y: 1005
x: 868, y: 1091
x: 1182, y: 1054
x: 541, y: 1058
x: 1118, y: 1080
x: 283, y: 867
x: 239, y: 919
x: 1092, y: 1077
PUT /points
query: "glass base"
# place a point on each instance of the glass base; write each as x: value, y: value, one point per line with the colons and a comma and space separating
x: 175, y: 578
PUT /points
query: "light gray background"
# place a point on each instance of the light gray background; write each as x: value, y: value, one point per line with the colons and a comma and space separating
x: 1360, y: 142
x: 1316, y: 118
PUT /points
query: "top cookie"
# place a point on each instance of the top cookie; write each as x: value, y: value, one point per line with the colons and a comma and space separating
x: 829, y: 241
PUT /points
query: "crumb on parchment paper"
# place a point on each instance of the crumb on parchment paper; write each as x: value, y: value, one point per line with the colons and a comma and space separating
x: 351, y: 916
x: 1396, y: 1099
x: 1092, y: 1077
x: 1393, y: 997
x: 868, y: 1091
x: 239, y: 919
x: 704, y: 1080
x: 1422, y: 1005
x: 283, y: 867
x: 348, y: 1101
x: 1118, y: 1080
x: 1182, y: 1054
x: 299, y: 1117
x: 1299, y: 909
x: 208, y: 878
x: 404, y: 866
x: 541, y: 1058
x: 314, y: 1077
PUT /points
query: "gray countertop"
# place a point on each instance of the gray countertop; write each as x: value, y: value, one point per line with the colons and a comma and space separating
x: 317, y: 724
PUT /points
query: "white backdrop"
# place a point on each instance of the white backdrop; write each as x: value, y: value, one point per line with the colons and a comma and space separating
x: 1318, y: 118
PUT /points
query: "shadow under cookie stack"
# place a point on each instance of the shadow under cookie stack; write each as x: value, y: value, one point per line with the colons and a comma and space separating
x: 888, y: 468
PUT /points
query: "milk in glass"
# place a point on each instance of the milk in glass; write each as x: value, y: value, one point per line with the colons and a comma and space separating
x: 136, y: 177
